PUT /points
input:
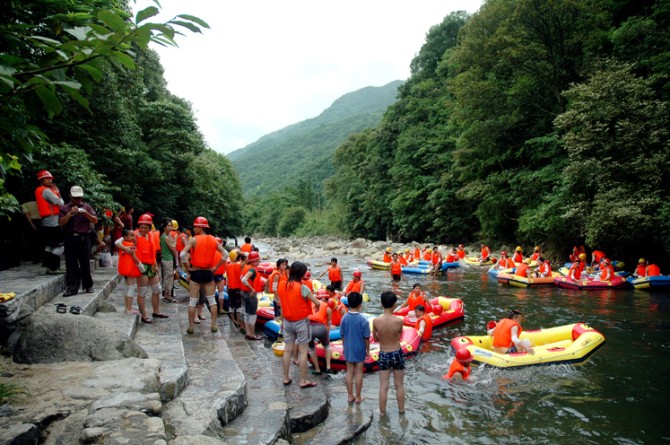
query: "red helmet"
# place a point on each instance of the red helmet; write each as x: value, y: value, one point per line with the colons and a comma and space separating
x: 463, y: 356
x: 253, y: 255
x: 308, y: 275
x: 606, y: 261
x: 145, y: 219
x: 461, y: 246
x: 218, y: 240
x: 503, y: 253
x: 357, y: 274
x: 42, y: 174
x: 491, y: 324
x: 201, y: 221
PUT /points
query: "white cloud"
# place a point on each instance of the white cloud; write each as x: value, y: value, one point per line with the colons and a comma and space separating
x: 266, y: 64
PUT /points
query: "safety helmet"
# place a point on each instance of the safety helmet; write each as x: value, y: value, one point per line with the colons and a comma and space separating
x: 537, y: 248
x: 518, y: 249
x: 175, y: 224
x: 253, y: 255
x: 357, y: 274
x: 463, y: 356
x: 233, y: 255
x: 582, y: 256
x: 406, y: 249
x: 145, y: 219
x: 388, y: 249
x: 429, y: 250
x: 44, y: 174
x: 503, y: 253
x: 218, y: 240
x: 641, y: 260
x: 461, y: 246
x: 491, y: 324
x: 201, y: 221
x: 308, y: 275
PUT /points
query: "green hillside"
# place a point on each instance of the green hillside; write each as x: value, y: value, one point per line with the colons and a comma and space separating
x: 304, y: 150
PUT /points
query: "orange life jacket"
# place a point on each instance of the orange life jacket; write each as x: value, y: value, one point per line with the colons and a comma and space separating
x: 427, y: 256
x: 428, y: 331
x: 127, y: 266
x: 271, y: 279
x: 641, y: 270
x: 354, y: 286
x: 43, y: 206
x: 451, y: 258
x: 155, y: 237
x: 607, y: 273
x: 461, y: 253
x: 222, y: 268
x: 246, y: 247
x: 396, y: 268
x: 517, y: 257
x: 179, y: 245
x: 502, y: 334
x: 403, y: 261
x: 545, y: 268
x: 320, y: 316
x: 653, y: 270
x: 308, y: 283
x: 535, y: 256
x: 505, y: 263
x: 246, y: 270
x: 336, y: 316
x: 436, y: 258
x: 144, y: 249
x: 522, y: 270
x: 202, y: 255
x: 597, y: 255
x: 417, y: 253
x: 294, y: 306
x: 416, y: 299
x: 233, y: 275
x: 485, y: 252
x: 575, y: 271
x: 457, y: 366
x: 387, y: 257
x: 334, y: 273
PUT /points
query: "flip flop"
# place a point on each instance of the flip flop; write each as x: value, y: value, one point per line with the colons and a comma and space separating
x: 289, y: 382
x: 196, y: 320
x: 76, y: 310
x: 155, y: 315
x: 146, y: 320
x: 308, y: 385
x: 214, y: 329
x: 61, y: 308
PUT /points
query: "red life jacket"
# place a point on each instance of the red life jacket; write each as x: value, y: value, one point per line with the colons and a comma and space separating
x: 428, y: 331
x: 43, y: 206
x: 144, y: 249
x: 457, y: 366
x: 294, y: 306
x: 127, y: 266
x: 502, y: 334
x: 396, y: 268
x: 202, y: 255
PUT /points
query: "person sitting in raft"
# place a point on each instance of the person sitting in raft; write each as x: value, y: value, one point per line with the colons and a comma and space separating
x: 409, y: 256
x: 522, y: 270
x: 460, y: 366
x: 416, y: 253
x: 606, y: 270
x: 536, y: 254
x: 544, y: 270
x: 334, y: 274
x: 452, y: 256
x: 575, y: 272
x: 415, y: 298
x: 402, y: 259
x: 576, y: 251
x: 641, y: 270
x: 653, y: 270
x: 396, y: 268
x: 356, y: 285
x: 338, y: 309
x: 424, y: 323
x: 436, y: 260
x: 504, y: 262
x: 596, y: 257
x: 506, y: 334
x: 484, y: 253
x: 461, y: 251
x: 518, y: 255
x: 387, y: 255
x: 427, y: 254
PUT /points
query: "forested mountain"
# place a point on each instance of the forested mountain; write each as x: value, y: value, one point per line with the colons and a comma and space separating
x: 529, y: 122
x: 303, y: 151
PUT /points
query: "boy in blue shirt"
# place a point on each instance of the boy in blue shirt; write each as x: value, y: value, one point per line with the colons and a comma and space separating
x: 355, y: 331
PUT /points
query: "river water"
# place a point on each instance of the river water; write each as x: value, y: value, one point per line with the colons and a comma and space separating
x: 619, y: 396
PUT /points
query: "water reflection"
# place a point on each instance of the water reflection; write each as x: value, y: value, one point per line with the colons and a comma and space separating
x: 618, y: 396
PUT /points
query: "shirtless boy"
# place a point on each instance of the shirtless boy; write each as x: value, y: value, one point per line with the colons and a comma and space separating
x: 387, y: 330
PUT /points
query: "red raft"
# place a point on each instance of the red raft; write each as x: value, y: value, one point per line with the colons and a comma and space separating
x: 409, y: 343
x: 616, y: 282
x: 445, y: 311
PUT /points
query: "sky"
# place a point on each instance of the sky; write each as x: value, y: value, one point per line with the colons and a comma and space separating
x: 267, y: 64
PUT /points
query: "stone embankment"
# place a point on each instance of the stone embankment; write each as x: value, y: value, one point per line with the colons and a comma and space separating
x: 101, y: 376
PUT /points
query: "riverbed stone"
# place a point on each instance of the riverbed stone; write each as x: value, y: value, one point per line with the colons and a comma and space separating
x: 72, y: 338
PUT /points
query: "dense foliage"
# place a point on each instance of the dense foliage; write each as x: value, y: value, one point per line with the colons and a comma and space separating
x: 529, y: 122
x: 83, y: 97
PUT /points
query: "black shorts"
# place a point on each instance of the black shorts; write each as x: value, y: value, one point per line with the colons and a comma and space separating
x: 391, y: 360
x: 218, y: 278
x: 250, y: 302
x: 396, y: 277
x: 234, y: 298
x: 336, y: 284
x: 202, y: 276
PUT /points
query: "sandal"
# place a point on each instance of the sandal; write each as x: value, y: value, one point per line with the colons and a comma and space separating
x: 155, y: 315
x: 214, y: 329
x: 189, y: 331
x: 253, y: 337
x: 61, y: 308
x: 196, y: 320
x: 146, y: 320
x: 76, y: 310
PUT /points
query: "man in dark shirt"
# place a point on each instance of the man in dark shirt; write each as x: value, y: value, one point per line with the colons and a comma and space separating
x: 76, y: 219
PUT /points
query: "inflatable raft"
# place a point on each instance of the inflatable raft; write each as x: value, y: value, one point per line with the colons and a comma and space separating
x: 572, y: 343
x: 379, y: 265
x: 445, y: 266
x: 659, y: 282
x: 518, y: 281
x: 409, y: 343
x: 445, y: 311
x: 617, y: 282
x: 273, y: 328
x: 266, y: 268
x: 474, y: 261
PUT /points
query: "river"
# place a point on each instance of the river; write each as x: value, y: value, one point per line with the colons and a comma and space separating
x: 617, y: 397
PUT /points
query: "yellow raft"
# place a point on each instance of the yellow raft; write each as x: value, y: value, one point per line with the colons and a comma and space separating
x: 572, y: 343
x: 474, y: 261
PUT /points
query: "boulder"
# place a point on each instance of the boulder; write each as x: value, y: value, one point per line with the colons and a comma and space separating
x: 359, y: 243
x: 54, y: 338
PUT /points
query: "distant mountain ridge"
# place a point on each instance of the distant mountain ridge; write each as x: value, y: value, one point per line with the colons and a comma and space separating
x: 304, y: 150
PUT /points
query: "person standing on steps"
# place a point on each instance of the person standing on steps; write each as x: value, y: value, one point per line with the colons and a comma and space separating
x: 387, y: 330
x: 49, y: 201
x: 250, y: 282
x: 169, y: 253
x: 75, y: 219
x: 201, y: 266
